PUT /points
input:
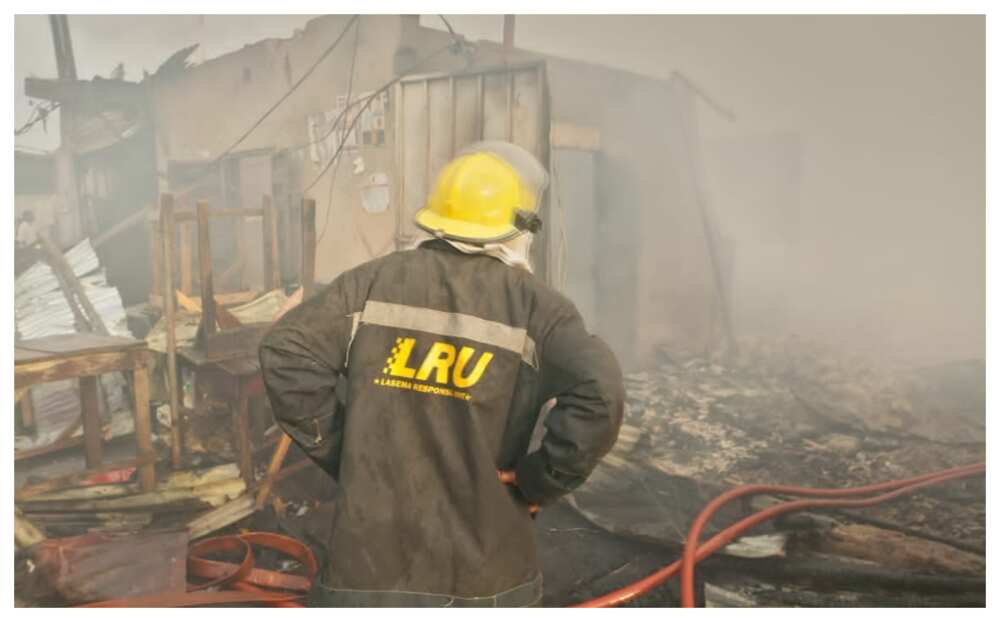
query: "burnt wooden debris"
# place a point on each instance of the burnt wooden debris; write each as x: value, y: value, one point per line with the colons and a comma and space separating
x: 115, y: 508
x: 770, y: 411
x: 794, y: 412
x: 167, y: 239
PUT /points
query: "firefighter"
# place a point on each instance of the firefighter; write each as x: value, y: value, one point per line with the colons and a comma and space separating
x: 414, y: 380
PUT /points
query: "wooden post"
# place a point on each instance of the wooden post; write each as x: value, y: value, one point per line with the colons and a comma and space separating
x: 58, y: 263
x: 143, y: 430
x: 27, y: 410
x: 156, y: 259
x: 167, y: 237
x: 308, y: 247
x: 91, y: 421
x: 67, y: 179
x: 187, y: 285
x: 269, y: 231
x: 241, y: 252
x: 241, y: 429
x: 508, y: 34
x: 277, y: 459
x: 205, y: 270
x: 63, y: 269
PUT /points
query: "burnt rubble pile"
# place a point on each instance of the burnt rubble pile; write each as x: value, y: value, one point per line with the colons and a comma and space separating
x: 797, y: 411
x: 792, y: 411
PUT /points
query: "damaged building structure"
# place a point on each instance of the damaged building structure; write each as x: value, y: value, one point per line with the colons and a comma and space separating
x: 243, y: 182
x: 174, y: 132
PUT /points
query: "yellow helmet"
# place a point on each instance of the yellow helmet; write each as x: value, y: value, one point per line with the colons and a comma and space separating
x: 490, y: 192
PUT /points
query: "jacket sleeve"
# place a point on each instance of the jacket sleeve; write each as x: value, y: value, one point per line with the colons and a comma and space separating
x: 301, y: 359
x: 582, y: 373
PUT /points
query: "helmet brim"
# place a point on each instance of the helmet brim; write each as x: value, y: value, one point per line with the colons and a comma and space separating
x: 463, y: 231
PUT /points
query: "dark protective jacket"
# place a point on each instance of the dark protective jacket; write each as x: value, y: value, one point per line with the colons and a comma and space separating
x: 446, y: 359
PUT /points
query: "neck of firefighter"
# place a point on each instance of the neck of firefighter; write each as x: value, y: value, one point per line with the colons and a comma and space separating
x: 515, y: 252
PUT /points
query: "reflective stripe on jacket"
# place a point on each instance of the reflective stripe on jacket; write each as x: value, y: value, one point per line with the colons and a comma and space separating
x: 445, y: 360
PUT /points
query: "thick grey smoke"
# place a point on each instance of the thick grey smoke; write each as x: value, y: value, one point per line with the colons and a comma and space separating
x: 850, y: 187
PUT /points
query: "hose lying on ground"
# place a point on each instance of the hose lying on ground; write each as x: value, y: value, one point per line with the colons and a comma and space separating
x: 246, y: 584
x: 829, y: 498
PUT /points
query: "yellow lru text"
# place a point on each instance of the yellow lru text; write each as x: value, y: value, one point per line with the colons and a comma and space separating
x: 446, y: 363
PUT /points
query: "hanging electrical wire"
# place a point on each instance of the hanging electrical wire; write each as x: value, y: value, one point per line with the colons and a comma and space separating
x: 210, y: 167
x: 364, y: 106
x: 39, y: 114
x: 329, y: 50
x: 347, y: 106
x: 457, y: 46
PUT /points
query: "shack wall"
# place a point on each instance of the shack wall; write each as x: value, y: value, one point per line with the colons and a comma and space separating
x: 653, y: 278
x: 201, y: 111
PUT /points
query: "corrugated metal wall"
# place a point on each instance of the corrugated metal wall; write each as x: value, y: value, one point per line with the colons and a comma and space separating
x: 437, y: 115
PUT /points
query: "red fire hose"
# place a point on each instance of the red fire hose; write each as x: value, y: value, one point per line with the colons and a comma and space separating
x: 242, y: 583
x: 247, y: 584
x: 831, y: 497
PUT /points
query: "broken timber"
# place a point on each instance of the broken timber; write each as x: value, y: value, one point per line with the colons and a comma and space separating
x: 167, y: 237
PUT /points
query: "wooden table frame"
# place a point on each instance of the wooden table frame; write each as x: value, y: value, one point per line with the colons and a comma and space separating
x: 235, y: 382
x: 224, y: 362
x: 85, y: 357
x: 180, y: 234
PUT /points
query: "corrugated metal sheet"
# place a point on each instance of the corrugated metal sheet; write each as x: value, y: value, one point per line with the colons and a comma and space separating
x: 41, y: 310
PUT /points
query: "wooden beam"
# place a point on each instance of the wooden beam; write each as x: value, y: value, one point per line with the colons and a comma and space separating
x: 269, y: 245
x: 241, y: 429
x: 186, y: 257
x: 508, y: 34
x: 62, y: 267
x: 37, y: 372
x: 70, y: 480
x: 27, y: 410
x: 220, y: 517
x: 34, y: 452
x: 169, y: 312
x: 101, y: 93
x: 277, y: 459
x: 226, y: 318
x: 237, y: 212
x: 155, y: 263
x: 241, y: 252
x: 205, y: 270
x: 92, y: 434
x: 213, y: 493
x: 224, y: 212
x: 896, y: 550
x: 308, y: 276
x: 144, y: 430
x: 227, y: 299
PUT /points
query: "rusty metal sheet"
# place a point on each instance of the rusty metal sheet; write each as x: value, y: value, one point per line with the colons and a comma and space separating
x: 96, y: 566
